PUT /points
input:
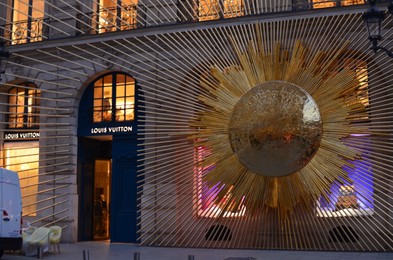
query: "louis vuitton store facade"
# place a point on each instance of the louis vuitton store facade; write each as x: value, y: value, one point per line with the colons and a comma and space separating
x: 220, y: 124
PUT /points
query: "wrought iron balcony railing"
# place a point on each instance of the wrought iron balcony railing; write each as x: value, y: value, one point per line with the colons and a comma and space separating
x: 136, y: 16
x: 108, y: 20
x: 25, y: 31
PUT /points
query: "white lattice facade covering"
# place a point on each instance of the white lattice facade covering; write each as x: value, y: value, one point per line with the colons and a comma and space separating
x: 221, y: 124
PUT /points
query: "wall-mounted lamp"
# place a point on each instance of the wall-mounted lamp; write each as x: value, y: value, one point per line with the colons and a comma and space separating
x: 4, y: 55
x: 373, y: 19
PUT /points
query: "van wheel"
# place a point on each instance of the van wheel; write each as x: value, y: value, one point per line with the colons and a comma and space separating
x: 1, y: 252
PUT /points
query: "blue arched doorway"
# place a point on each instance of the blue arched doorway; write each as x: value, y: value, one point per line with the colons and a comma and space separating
x: 107, y: 156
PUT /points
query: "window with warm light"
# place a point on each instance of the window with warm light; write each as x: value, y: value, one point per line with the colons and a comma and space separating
x: 24, y: 106
x: 330, y: 3
x: 114, y: 98
x: 27, y: 21
x: 117, y: 15
x: 362, y: 75
x: 359, y: 66
x: 23, y: 158
x: 207, y: 203
x: 355, y: 197
x: 215, y: 9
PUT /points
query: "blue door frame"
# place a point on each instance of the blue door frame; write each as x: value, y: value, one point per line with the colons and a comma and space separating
x: 124, y: 190
x: 123, y: 205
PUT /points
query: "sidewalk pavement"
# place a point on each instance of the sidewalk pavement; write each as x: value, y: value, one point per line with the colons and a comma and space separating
x: 98, y: 250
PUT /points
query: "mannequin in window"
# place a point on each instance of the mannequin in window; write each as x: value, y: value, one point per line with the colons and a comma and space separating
x: 106, y: 110
x: 347, y: 198
x: 101, y: 216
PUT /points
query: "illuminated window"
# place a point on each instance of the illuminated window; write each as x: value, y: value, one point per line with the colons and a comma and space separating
x: 27, y: 21
x: 214, y: 9
x: 353, y: 198
x: 22, y: 157
x: 208, y: 203
x: 113, y: 17
x: 360, y: 68
x: 330, y: 3
x: 362, y: 76
x: 114, y: 98
x: 24, y: 103
x: 351, y: 2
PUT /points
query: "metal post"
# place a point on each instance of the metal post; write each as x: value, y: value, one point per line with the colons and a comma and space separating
x: 39, y: 252
x: 137, y: 256
x: 86, y: 255
x: 190, y: 257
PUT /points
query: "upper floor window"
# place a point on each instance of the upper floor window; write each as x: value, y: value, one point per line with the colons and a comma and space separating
x: 215, y: 9
x: 114, y: 98
x: 24, y: 106
x: 27, y: 21
x: 117, y: 15
x: 330, y: 3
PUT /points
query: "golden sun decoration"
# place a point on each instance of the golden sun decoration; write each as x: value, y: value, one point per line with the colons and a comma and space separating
x: 274, y: 126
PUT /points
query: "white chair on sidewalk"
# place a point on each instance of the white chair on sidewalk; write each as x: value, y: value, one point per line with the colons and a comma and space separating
x: 39, y: 239
x: 55, y: 237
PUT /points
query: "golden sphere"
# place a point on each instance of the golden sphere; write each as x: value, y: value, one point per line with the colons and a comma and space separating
x: 275, y: 129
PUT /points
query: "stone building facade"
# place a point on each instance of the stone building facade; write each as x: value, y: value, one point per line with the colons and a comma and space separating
x: 99, y: 101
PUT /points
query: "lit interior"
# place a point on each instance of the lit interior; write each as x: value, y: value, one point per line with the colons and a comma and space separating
x: 330, y: 3
x: 350, y: 199
x: 21, y: 27
x: 22, y: 157
x: 210, y: 9
x: 20, y: 104
x: 102, y: 175
x: 105, y: 102
x: 108, y: 15
x: 207, y: 205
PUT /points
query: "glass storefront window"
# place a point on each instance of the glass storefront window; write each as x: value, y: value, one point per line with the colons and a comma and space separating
x: 22, y: 157
x: 102, y: 180
x: 208, y: 205
x: 24, y: 105
x: 114, y: 98
x: 353, y: 198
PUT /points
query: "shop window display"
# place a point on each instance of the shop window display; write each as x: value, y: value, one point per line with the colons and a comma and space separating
x: 350, y: 198
x: 211, y: 202
x: 22, y: 157
x: 353, y: 197
x: 18, y: 154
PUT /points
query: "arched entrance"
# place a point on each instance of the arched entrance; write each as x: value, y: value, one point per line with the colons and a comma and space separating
x: 107, y: 147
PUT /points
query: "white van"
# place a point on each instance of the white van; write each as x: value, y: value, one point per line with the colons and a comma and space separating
x: 10, y: 211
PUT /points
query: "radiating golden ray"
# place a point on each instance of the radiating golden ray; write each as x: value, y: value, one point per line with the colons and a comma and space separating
x: 261, y: 225
x: 334, y: 93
